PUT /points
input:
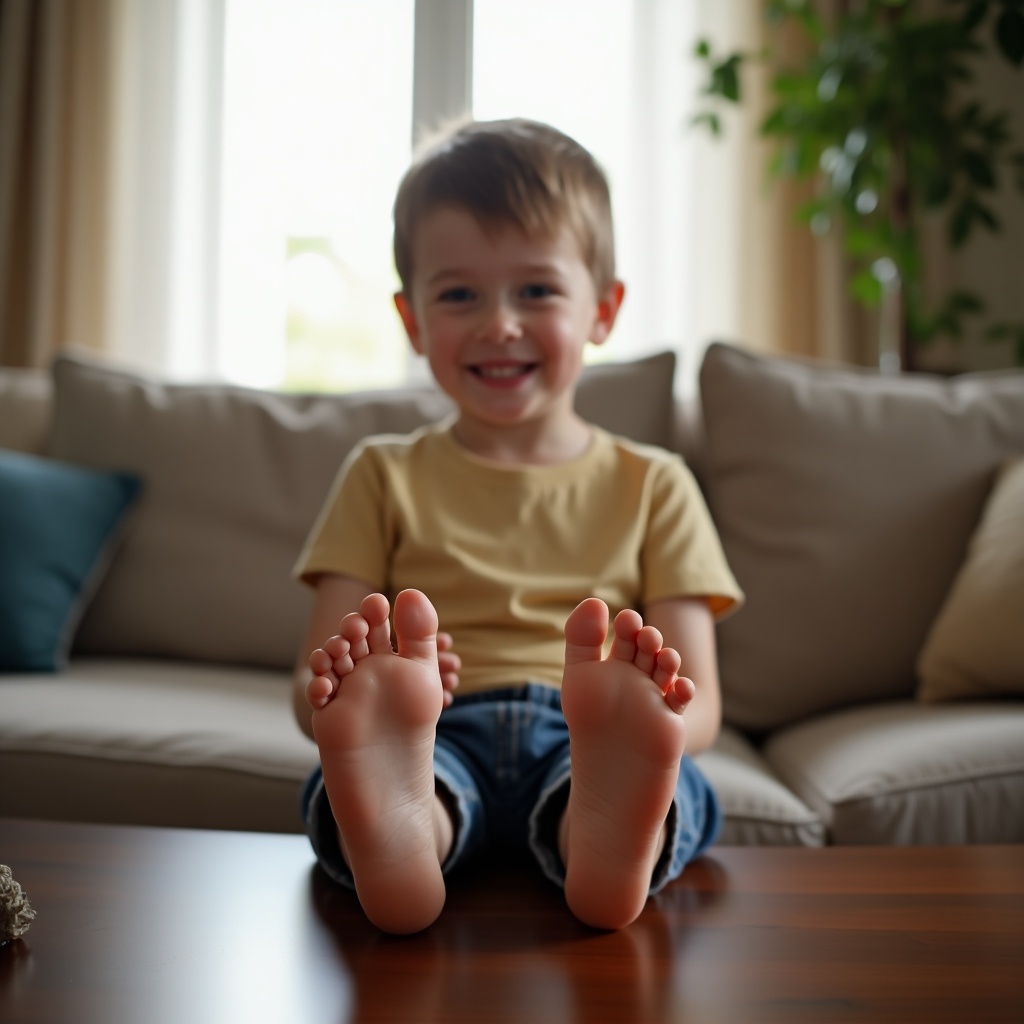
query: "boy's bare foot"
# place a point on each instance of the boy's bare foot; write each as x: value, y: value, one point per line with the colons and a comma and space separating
x: 375, y: 730
x: 626, y: 737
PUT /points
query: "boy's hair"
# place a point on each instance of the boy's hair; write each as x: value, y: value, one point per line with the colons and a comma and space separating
x: 515, y: 172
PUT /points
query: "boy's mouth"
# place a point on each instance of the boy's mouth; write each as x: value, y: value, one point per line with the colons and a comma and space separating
x: 502, y: 373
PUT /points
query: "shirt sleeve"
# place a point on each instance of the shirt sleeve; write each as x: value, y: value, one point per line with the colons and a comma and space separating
x: 682, y: 554
x: 351, y: 535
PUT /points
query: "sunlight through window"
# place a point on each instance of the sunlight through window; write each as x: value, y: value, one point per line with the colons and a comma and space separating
x: 317, y: 123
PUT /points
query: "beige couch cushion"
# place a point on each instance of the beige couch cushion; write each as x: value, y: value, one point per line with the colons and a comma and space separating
x: 845, y: 503
x: 26, y: 397
x: 758, y: 810
x: 976, y: 646
x: 904, y: 773
x: 233, y: 479
x: 153, y: 742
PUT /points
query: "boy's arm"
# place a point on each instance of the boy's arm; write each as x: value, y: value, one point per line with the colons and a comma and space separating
x: 687, y: 624
x: 335, y: 596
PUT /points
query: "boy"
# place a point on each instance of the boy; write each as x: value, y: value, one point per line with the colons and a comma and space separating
x: 517, y: 524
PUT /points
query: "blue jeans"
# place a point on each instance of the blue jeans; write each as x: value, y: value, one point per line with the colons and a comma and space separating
x: 502, y: 759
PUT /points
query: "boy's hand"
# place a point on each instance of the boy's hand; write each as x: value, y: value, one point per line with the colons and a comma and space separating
x: 449, y: 664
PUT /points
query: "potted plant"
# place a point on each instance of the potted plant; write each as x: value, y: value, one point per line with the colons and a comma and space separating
x: 877, y: 114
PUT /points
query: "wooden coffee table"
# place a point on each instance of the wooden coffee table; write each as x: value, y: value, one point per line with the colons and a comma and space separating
x: 146, y: 926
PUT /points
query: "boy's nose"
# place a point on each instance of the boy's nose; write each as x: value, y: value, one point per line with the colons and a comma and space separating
x: 499, y: 324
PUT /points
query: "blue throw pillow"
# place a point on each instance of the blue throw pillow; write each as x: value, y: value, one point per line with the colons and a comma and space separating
x: 57, y: 524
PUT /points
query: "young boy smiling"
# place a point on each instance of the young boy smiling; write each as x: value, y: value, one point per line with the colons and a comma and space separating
x: 515, y: 525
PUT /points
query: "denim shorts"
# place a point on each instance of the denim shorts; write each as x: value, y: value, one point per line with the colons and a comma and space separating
x: 502, y: 758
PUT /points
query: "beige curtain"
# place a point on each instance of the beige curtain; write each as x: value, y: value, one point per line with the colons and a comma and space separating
x: 55, y: 98
x: 794, y: 283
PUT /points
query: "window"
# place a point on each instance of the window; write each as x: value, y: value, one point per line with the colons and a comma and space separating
x: 316, y: 133
x: 317, y: 130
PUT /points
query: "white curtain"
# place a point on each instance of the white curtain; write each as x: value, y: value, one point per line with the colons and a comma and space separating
x: 165, y: 178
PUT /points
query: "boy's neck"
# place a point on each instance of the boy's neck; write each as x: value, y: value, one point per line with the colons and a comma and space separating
x: 527, y: 444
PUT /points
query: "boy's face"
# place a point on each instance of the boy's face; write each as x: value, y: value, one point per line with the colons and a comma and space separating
x: 503, y: 318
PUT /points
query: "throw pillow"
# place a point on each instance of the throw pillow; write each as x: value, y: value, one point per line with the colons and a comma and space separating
x: 234, y: 480
x: 845, y: 502
x: 57, y: 528
x: 976, y: 645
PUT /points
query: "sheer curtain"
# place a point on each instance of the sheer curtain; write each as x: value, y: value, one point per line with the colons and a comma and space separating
x: 165, y: 181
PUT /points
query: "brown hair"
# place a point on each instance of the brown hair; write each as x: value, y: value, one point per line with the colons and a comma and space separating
x: 516, y: 172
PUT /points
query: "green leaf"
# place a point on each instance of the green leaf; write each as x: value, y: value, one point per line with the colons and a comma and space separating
x: 702, y: 49
x: 980, y: 170
x: 1010, y: 36
x: 774, y: 123
x: 960, y: 225
x: 863, y: 242
x: 969, y: 211
x: 709, y: 118
x: 725, y: 80
x: 866, y: 288
x: 938, y: 189
x: 986, y: 216
x: 996, y: 130
x: 730, y: 79
x: 1009, y: 332
x: 966, y: 302
x: 815, y: 208
x: 973, y: 16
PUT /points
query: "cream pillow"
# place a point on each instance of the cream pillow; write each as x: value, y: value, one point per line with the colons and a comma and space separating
x: 845, y: 502
x: 976, y: 646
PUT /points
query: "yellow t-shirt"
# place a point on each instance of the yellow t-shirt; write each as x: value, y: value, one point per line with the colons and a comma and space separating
x: 505, y: 552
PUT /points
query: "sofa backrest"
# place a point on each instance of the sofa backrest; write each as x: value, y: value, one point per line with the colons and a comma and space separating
x: 845, y: 502
x: 26, y: 408
x: 233, y: 479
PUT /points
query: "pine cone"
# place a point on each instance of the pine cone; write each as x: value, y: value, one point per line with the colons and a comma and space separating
x: 15, y: 911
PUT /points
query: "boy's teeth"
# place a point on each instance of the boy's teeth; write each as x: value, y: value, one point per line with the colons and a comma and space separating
x: 500, y: 371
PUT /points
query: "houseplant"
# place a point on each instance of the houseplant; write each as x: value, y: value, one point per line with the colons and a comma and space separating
x: 879, y: 113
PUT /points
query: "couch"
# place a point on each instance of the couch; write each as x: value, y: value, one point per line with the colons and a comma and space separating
x: 872, y: 682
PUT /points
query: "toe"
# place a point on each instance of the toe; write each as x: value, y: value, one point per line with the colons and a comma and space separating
x: 320, y: 662
x: 343, y: 665
x: 679, y: 694
x: 354, y: 628
x: 667, y: 666
x: 585, y: 630
x: 319, y: 691
x: 416, y: 627
x: 627, y: 627
x: 375, y: 609
x: 336, y: 647
x: 648, y: 644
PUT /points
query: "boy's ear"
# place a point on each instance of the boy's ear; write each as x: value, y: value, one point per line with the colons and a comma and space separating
x: 608, y: 306
x: 405, y: 311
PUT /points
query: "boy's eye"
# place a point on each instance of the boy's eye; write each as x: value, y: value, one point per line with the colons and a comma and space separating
x: 456, y: 295
x: 537, y: 291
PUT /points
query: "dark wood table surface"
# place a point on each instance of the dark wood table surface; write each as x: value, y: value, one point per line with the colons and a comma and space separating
x: 140, y: 925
